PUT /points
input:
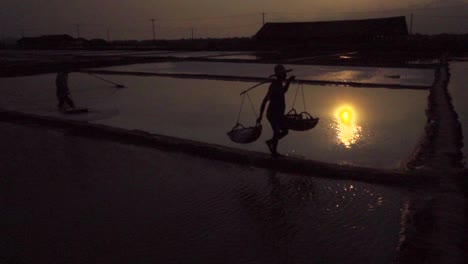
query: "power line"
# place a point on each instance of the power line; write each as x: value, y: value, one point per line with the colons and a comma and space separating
x: 230, y: 27
x: 287, y: 16
x: 372, y: 11
x: 457, y: 17
x: 209, y: 18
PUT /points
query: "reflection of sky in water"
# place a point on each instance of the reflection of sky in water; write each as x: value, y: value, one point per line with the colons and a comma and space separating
x: 237, y: 57
x: 348, y: 135
x: 195, y: 54
x: 381, y: 130
x: 348, y: 132
x: 178, y: 208
x: 303, y: 72
x: 281, y: 206
x: 347, y: 75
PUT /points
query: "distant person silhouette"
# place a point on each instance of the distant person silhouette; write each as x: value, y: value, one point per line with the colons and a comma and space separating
x: 276, y: 107
x: 63, y: 93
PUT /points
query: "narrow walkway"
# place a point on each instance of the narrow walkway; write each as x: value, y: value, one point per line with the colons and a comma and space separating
x: 447, y: 153
x: 400, y: 178
x: 258, y: 79
x: 437, y: 222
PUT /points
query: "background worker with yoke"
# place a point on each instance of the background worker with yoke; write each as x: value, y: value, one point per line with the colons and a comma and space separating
x: 63, y: 93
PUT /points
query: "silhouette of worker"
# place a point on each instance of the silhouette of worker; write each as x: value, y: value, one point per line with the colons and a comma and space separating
x: 63, y: 93
x: 276, y: 107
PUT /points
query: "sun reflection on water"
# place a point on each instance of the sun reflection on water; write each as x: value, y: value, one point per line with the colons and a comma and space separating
x: 348, y: 132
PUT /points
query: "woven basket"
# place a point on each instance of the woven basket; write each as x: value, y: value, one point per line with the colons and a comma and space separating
x: 245, y: 135
x: 300, y: 121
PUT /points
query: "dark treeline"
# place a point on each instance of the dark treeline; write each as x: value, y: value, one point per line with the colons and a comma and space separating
x: 421, y: 44
x: 68, y: 42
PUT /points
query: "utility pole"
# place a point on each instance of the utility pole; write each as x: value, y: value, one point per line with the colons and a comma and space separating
x: 77, y: 30
x: 108, y: 35
x: 411, y: 25
x: 154, y: 34
x: 2, y: 39
x: 263, y: 18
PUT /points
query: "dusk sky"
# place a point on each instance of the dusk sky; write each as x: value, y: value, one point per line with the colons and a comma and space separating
x: 128, y: 19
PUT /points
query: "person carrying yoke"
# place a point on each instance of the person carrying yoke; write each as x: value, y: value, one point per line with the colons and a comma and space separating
x: 275, y: 112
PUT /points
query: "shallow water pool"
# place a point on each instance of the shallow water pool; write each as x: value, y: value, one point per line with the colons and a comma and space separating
x: 401, y: 76
x: 85, y: 200
x: 360, y: 126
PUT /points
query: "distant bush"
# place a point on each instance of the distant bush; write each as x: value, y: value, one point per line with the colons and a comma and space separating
x: 98, y: 43
x: 189, y: 44
x: 52, y: 42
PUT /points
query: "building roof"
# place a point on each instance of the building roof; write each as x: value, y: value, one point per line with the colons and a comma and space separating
x: 49, y: 41
x: 391, y: 26
x: 51, y: 38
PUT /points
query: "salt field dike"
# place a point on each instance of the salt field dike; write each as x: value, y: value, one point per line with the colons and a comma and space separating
x: 333, y: 149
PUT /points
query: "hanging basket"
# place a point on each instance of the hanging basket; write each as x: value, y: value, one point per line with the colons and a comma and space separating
x: 245, y: 135
x: 241, y: 134
x: 300, y: 121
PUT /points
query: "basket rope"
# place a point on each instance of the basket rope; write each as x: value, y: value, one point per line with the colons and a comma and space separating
x: 301, y: 87
x: 242, y: 105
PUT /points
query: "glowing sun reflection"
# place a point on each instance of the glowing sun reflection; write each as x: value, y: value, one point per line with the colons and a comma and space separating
x: 348, y: 131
